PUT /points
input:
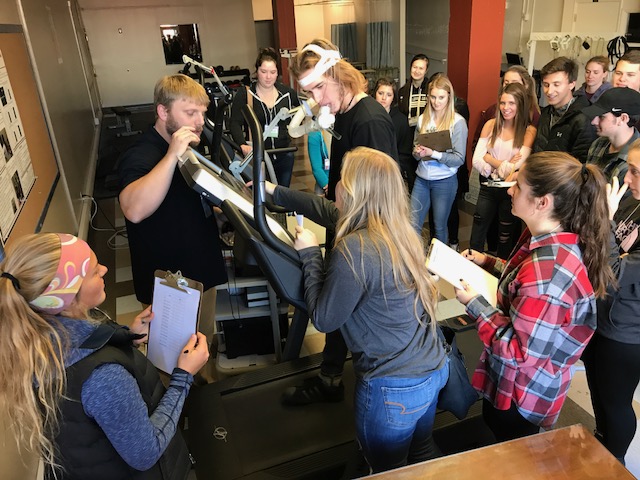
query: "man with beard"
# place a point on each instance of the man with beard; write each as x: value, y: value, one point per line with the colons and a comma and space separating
x: 168, y: 225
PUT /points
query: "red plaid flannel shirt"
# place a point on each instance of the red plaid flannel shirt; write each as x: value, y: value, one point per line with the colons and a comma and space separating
x: 545, y: 316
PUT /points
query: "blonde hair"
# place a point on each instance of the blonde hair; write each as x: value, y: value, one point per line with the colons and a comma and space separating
x: 375, y: 199
x: 600, y: 60
x: 448, y: 118
x: 32, y: 373
x: 348, y: 77
x: 172, y: 87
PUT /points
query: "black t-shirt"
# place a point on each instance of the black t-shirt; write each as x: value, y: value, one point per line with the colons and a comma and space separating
x: 367, y: 124
x: 178, y: 235
x: 404, y: 136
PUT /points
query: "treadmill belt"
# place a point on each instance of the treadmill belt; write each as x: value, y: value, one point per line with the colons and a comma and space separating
x: 302, y: 431
x: 247, y: 433
x: 238, y: 429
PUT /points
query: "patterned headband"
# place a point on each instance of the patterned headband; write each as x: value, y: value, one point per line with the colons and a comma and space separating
x: 75, y: 255
x: 328, y: 58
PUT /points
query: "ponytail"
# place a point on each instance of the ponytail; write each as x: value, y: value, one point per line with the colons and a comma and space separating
x: 32, y: 374
x: 580, y: 205
x: 591, y: 222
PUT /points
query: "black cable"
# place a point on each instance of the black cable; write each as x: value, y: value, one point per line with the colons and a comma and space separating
x: 616, y: 48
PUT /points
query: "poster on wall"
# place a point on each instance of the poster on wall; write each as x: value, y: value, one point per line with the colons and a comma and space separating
x: 16, y: 170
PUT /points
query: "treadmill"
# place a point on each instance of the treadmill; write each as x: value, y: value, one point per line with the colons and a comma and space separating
x: 237, y: 427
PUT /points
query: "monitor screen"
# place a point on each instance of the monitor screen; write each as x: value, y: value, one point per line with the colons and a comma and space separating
x: 513, y: 59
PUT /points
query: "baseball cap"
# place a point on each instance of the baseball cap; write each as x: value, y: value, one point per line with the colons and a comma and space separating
x: 615, y: 100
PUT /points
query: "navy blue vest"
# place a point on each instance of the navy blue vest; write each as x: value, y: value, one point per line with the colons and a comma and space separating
x: 83, y: 450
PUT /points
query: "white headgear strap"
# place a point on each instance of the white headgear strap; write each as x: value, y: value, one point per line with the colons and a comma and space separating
x: 328, y: 58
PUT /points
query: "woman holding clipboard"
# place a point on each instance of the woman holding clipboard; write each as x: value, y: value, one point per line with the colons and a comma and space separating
x: 436, y: 176
x: 546, y: 302
x: 76, y: 390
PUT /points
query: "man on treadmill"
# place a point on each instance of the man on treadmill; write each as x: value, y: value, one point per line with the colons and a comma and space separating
x: 361, y: 121
x: 168, y: 226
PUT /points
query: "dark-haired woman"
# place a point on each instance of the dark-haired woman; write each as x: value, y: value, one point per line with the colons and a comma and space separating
x: 612, y: 359
x: 385, y: 94
x: 546, y: 303
x: 504, y: 145
x: 266, y: 96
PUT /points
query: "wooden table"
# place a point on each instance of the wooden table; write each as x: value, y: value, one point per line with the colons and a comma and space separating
x: 566, y: 453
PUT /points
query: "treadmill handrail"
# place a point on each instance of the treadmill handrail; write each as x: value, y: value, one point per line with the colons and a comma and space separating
x: 218, y: 120
x: 259, y: 193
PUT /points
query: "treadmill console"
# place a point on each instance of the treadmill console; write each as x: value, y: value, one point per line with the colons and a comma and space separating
x: 217, y: 185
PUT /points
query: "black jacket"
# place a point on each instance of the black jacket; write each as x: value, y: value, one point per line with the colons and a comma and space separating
x: 405, y: 92
x: 287, y: 98
x: 619, y: 311
x: 573, y: 133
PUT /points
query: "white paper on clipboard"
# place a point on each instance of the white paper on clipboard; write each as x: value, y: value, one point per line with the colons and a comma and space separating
x: 451, y: 266
x: 176, y: 301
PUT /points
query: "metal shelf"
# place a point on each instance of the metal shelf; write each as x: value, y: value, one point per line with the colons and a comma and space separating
x: 234, y: 307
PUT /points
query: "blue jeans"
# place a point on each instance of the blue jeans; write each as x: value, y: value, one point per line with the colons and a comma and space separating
x: 283, y: 167
x: 394, y: 418
x: 440, y: 194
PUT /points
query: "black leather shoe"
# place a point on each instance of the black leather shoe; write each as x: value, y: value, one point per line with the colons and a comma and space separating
x: 313, y: 390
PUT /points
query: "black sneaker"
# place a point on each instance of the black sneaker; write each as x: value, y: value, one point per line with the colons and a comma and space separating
x: 313, y: 390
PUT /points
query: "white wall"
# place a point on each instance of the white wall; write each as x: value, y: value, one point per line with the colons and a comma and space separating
x: 66, y: 100
x: 315, y: 20
x: 524, y: 16
x: 428, y: 32
x: 262, y: 10
x: 514, y: 20
x: 128, y: 64
x: 310, y: 24
x: 9, y: 12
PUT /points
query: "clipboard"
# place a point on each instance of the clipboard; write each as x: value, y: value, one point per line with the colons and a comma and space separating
x: 498, y: 184
x: 176, y: 307
x: 439, y: 141
x: 451, y: 266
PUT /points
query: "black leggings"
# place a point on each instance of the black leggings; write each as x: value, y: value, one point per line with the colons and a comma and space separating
x: 613, y: 372
x: 507, y: 424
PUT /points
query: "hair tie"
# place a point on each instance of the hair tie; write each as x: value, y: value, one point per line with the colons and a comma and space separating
x: 14, y: 280
x: 585, y: 173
